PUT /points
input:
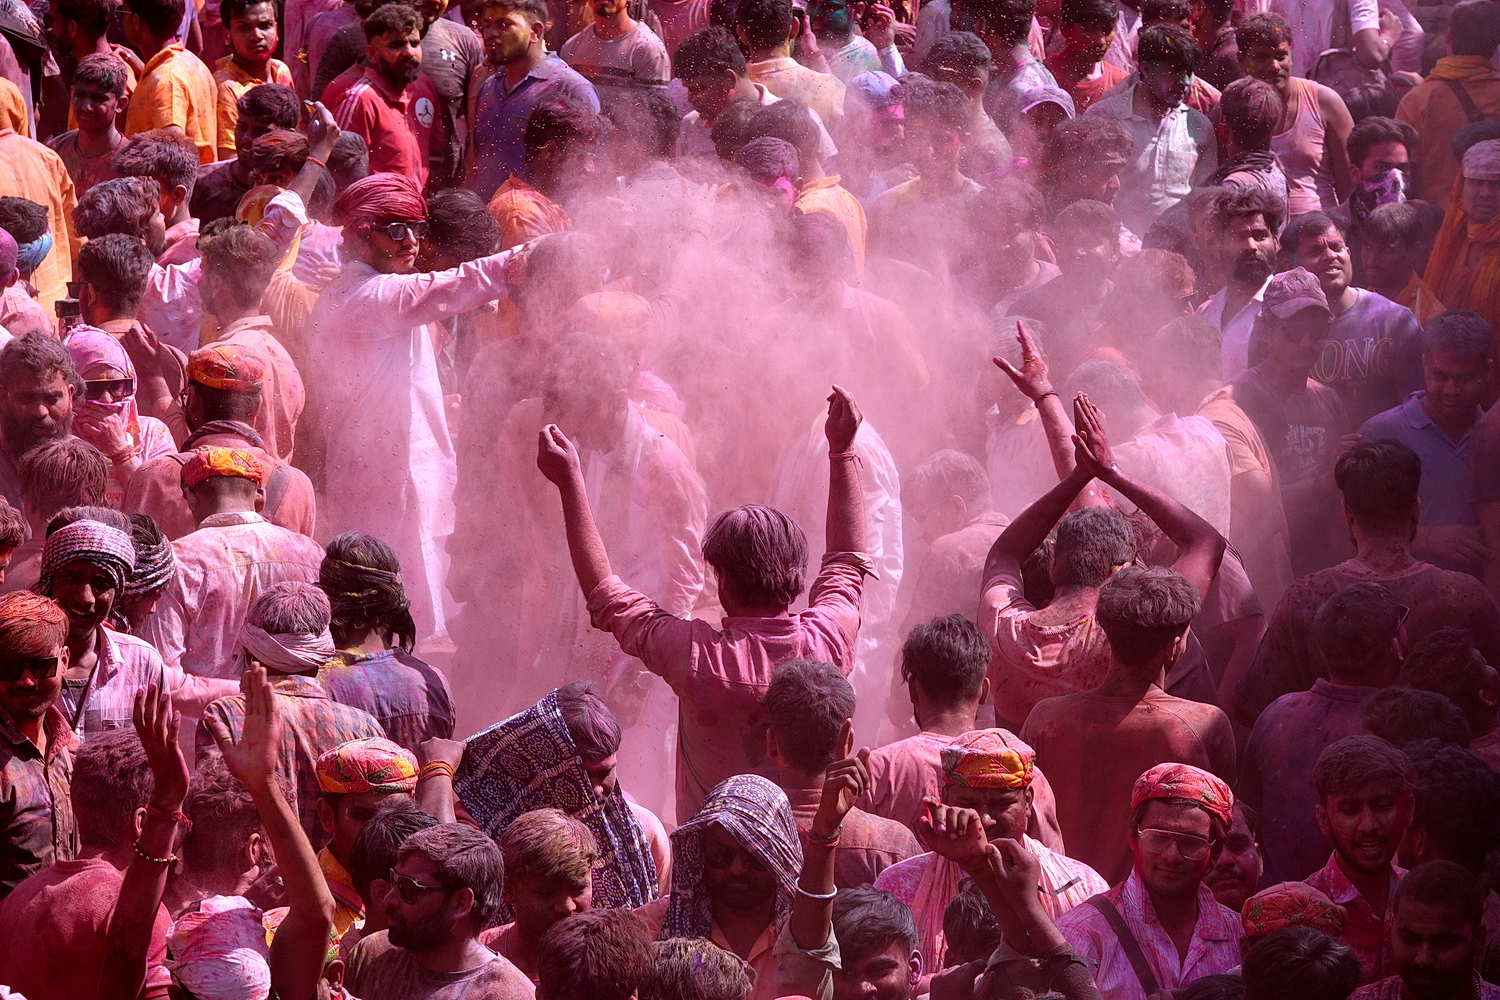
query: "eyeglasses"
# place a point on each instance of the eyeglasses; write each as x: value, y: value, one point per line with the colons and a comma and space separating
x: 119, y: 388
x: 1292, y: 335
x: 1192, y: 848
x: 410, y: 890
x: 720, y: 857
x: 41, y: 667
x: 399, y: 231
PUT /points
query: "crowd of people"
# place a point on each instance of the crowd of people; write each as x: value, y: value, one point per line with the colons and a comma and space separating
x: 749, y: 499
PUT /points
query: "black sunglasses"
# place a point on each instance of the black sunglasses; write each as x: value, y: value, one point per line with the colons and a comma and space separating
x: 119, y: 388
x: 399, y: 231
x: 41, y: 667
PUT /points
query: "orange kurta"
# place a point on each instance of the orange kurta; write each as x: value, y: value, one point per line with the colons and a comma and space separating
x: 827, y: 195
x: 177, y: 89
x: 1449, y: 275
x: 13, y: 108
x: 232, y: 82
x: 32, y: 171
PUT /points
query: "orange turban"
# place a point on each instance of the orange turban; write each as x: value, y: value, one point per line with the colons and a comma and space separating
x: 370, y: 764
x: 208, y: 462
x: 1184, y: 781
x: 988, y: 758
x: 1292, y: 904
x: 226, y: 366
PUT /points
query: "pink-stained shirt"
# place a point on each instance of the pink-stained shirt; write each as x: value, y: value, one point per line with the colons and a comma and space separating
x: 126, y: 665
x: 952, y: 570
x: 221, y: 569
x: 1214, y: 949
x: 282, y: 396
x: 20, y: 313
x: 1366, y: 933
x: 1392, y: 988
x: 55, y: 926
x: 182, y: 243
x: 720, y: 676
x: 396, y: 127
x: 153, y: 442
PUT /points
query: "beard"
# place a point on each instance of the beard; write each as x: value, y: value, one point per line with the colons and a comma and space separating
x: 24, y: 435
x: 1252, y: 269
x: 420, y: 936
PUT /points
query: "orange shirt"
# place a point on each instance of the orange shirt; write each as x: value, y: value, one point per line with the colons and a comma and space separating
x: 177, y: 89
x: 827, y: 195
x: 524, y: 213
x: 32, y: 171
x: 13, y: 108
x: 232, y: 82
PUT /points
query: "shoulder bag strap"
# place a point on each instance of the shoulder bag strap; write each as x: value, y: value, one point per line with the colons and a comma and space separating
x: 1128, y: 942
x: 1465, y: 101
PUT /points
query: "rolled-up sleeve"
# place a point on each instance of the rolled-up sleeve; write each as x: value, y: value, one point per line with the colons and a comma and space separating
x: 800, y: 972
x: 662, y: 641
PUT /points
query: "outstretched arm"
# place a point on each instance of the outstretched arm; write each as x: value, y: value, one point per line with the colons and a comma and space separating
x: 1201, y: 546
x: 812, y: 909
x: 558, y: 460
x: 845, y: 530
x: 1034, y: 380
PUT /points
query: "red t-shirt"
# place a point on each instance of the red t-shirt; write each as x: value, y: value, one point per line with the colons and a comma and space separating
x: 396, y: 127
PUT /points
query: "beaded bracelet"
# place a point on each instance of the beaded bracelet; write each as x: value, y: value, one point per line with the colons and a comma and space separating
x: 169, y: 859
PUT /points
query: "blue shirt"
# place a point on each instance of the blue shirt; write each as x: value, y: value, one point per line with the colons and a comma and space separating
x: 500, y: 118
x: 1447, y: 489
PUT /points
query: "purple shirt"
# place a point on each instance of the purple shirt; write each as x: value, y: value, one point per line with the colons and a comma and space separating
x: 500, y: 118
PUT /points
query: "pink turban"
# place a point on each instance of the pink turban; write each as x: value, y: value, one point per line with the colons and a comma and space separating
x: 1292, y: 904
x: 1184, y: 781
x: 218, y: 952
x: 382, y: 197
x: 988, y: 758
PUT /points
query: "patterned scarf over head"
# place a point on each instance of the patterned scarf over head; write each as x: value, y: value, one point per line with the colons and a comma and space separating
x: 756, y: 814
x: 108, y: 548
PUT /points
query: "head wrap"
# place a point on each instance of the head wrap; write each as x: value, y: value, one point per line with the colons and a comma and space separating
x: 757, y: 815
x: 1292, y: 904
x: 8, y: 255
x: 218, y: 952
x: 1482, y: 161
x: 252, y: 208
x: 210, y: 461
x: 988, y: 758
x: 382, y: 197
x: 154, y: 564
x: 89, y: 347
x: 271, y: 921
x: 612, y: 314
x: 287, y: 652
x: 29, y: 256
x: 1184, y: 781
x: 363, y: 597
x: 367, y: 765
x: 226, y: 366
x: 1292, y: 291
x: 108, y: 548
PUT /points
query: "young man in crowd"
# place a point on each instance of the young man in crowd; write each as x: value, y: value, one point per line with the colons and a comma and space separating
x: 253, y: 37
x: 175, y: 89
x: 549, y: 857
x: 1381, y: 159
x: 390, y: 105
x: 1393, y: 251
x: 768, y: 29
x: 1250, y: 112
x: 1088, y: 28
x: 603, y: 954
x: 1447, y: 663
x: 171, y: 161
x: 1436, y: 935
x: 101, y: 85
x: 221, y: 185
x: 37, y: 387
x: 617, y: 52
x: 1086, y: 240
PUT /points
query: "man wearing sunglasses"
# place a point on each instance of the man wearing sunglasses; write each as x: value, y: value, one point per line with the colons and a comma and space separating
x: 1161, y: 928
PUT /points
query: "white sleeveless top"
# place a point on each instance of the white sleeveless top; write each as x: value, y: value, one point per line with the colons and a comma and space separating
x: 1299, y: 150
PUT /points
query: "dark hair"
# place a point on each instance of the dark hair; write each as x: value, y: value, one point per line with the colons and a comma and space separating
x: 12, y: 526
x: 161, y: 17
x: 764, y: 23
x: 1158, y: 11
x: 1359, y: 760
x: 1444, y: 883
x: 788, y: 120
x: 1100, y: 15
x: 1353, y: 630
x: 867, y: 920
x: 1393, y: 222
x: 1091, y: 544
x: 1266, y: 30
x: 362, y: 577
x: 240, y: 258
x: 947, y: 657
x: 350, y: 162
x: 67, y: 472
x: 26, y: 221
x: 937, y: 101
x: 1167, y: 43
x: 1195, y: 345
x: 37, y: 356
x: 595, y: 955
x: 378, y: 844
x: 463, y: 858
x: 708, y: 52
x: 1447, y: 663
x: 1008, y: 20
x: 963, y: 50
x: 1011, y: 201
x: 226, y: 404
x: 645, y: 118
x: 1144, y: 610
x: 279, y: 150
x: 111, y: 780
x: 1299, y: 962
x: 118, y: 268
x: 536, y: 8
x: 1402, y: 715
x: 563, y: 121
x: 591, y: 724
x: 1087, y: 218
x: 758, y: 552
x: 1252, y: 109
x: 223, y: 816
x: 1474, y: 29
x: 1087, y: 137
x: 392, y: 19
x: 168, y: 157
x: 118, y: 205
x: 93, y: 16
x: 808, y: 702
x: 1225, y: 986
x: 1306, y: 226
x: 459, y: 226
x: 1379, y: 480
x: 102, y: 69
x: 231, y: 9
x: 1461, y: 332
x: 273, y: 103
x: 948, y: 473
x: 696, y: 969
x: 731, y: 130
x: 969, y: 926
x: 1457, y: 801
x: 587, y: 367
x: 1374, y: 130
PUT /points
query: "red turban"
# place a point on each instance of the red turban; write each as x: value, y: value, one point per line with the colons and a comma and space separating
x: 1184, y: 781
x: 226, y: 366
x: 382, y: 197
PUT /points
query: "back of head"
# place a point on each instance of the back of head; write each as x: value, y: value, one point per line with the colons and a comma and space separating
x: 1457, y: 806
x: 12, y: 526
x: 1396, y: 222
x: 279, y: 152
x: 1443, y: 883
x: 1354, y: 629
x: 548, y: 844
x: 1300, y: 963
x: 963, y: 51
x: 161, y: 17
x: 565, y: 122
x: 1195, y: 346
x: 1447, y: 663
x: 1169, y: 45
x: 463, y: 858
x: 808, y: 702
x: 947, y: 658
x: 292, y: 607
x: 459, y: 226
x: 117, y: 267
x: 766, y: 159
x: 789, y: 120
x: 92, y: 16
x: 709, y: 51
x: 1354, y: 762
x: 121, y: 205
x: 1110, y: 387
x: 1238, y: 202
x: 1252, y: 108
x: 1262, y: 31
x: 1462, y: 333
x: 867, y: 920
x: 969, y: 925
x: 945, y: 474
x: 1086, y: 223
x: 1379, y: 480
x: 1008, y: 206
x: 1144, y: 611
x: 350, y: 161
x: 763, y: 24
x: 1374, y: 130
x: 758, y: 553
x: 731, y: 130
x: 111, y: 780
x: 1402, y: 715
x: 223, y: 816
x: 67, y: 472
x: 166, y: 155
x: 591, y: 724
x: 695, y: 969
x: 644, y: 120
x: 275, y: 105
x: 1475, y: 28
x: 561, y: 270
x: 1225, y: 986
x: 361, y: 575
x: 595, y: 955
x: 241, y: 260
x: 1091, y: 544
x: 378, y: 845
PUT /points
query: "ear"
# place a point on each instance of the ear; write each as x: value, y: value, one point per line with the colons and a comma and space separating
x: 1321, y: 811
x: 984, y: 691
x: 325, y: 815
x: 333, y: 973
x: 62, y: 658
x: 122, y: 102
x: 463, y: 903
x: 258, y: 852
x: 139, y: 822
x: 914, y: 969
x: 846, y: 739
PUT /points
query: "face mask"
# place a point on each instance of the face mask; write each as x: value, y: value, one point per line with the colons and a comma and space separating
x: 1388, y: 188
x: 107, y: 409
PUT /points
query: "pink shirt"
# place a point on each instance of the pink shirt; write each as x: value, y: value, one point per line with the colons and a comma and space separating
x: 1214, y: 949
x: 20, y: 313
x: 282, y: 396
x: 1366, y: 933
x: 221, y: 568
x: 127, y: 664
x: 720, y: 676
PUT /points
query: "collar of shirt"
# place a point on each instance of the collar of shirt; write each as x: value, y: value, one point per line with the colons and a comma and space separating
x: 259, y: 323
x: 1351, y: 693
x: 551, y: 66
x: 1127, y: 97
x: 1416, y: 415
x: 236, y: 71
x: 299, y: 686
x: 230, y: 517
x: 169, y: 51
x: 1342, y: 891
x: 778, y: 65
x: 826, y: 181
x: 1136, y: 906
x: 60, y: 735
x: 383, y: 88
x: 340, y: 882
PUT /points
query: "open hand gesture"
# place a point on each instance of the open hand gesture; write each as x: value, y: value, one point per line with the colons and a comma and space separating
x: 1090, y: 447
x: 156, y: 724
x: 1032, y: 378
x: 253, y: 759
x: 953, y: 833
x: 556, y: 456
x: 843, y: 421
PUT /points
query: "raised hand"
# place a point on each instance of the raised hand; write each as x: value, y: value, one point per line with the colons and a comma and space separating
x: 1017, y: 871
x: 555, y: 455
x: 322, y: 130
x: 843, y: 421
x: 845, y: 781
x: 156, y: 724
x: 1032, y: 378
x: 879, y: 25
x: 253, y: 759
x: 1090, y: 446
x: 953, y: 833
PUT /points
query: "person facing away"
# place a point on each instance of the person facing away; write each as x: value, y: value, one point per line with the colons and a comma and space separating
x: 689, y: 969
x: 1180, y: 815
x: 1250, y: 110
x: 1357, y: 633
x: 176, y: 88
x: 1303, y: 961
x: 68, y: 472
x: 600, y: 955
x: 1447, y: 663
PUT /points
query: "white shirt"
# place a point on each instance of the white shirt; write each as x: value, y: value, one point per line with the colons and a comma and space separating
x: 1235, y: 330
x: 1171, y: 157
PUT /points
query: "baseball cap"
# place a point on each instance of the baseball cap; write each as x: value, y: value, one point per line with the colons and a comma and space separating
x: 1292, y: 291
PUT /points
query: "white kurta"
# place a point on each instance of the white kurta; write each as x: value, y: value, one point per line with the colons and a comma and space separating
x: 390, y: 464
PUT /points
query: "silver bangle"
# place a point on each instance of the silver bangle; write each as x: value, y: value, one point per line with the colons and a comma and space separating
x: 814, y: 895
